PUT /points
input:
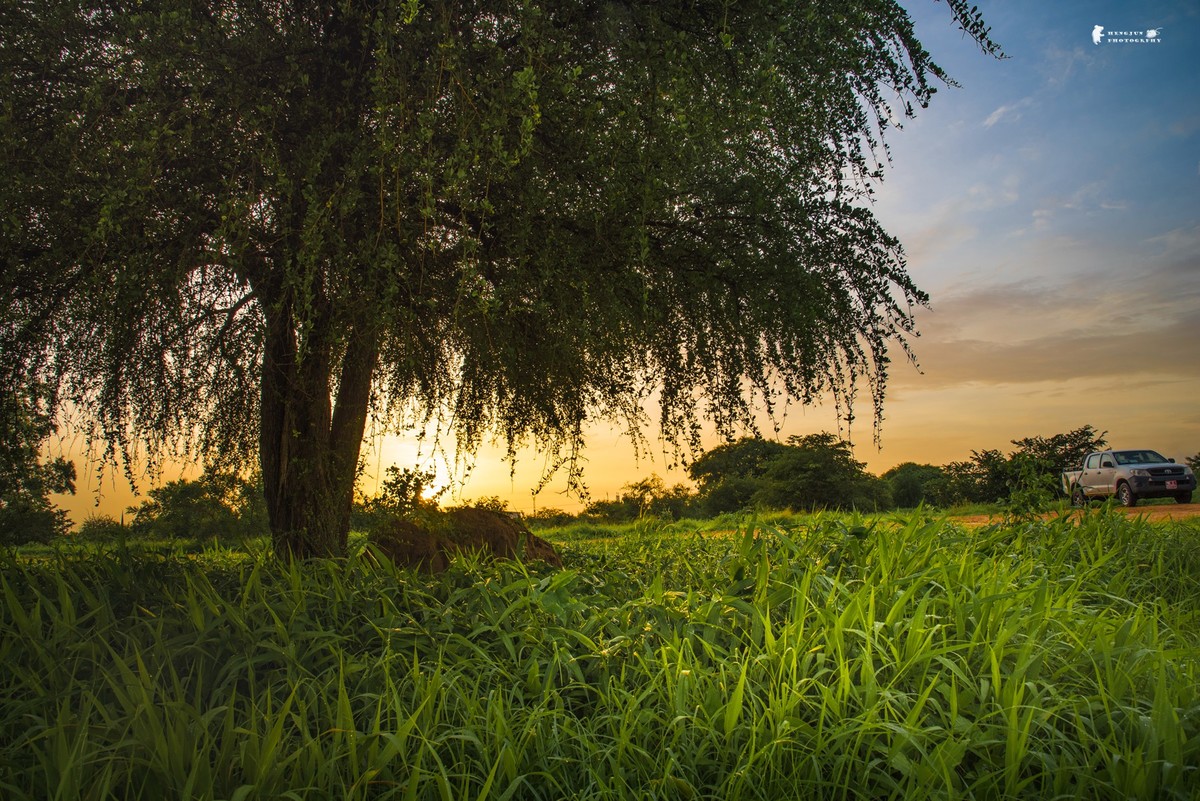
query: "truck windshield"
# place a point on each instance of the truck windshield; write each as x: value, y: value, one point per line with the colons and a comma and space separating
x: 1138, y: 457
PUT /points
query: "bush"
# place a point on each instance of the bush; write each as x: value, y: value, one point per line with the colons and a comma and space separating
x: 401, y: 496
x: 216, y: 505
x: 912, y: 483
x: 730, y: 496
x: 28, y: 521
x: 1030, y: 491
x: 816, y: 471
x: 650, y: 497
x: 102, y: 528
x: 549, y: 518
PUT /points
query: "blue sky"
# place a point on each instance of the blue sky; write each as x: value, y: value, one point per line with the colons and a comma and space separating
x: 1051, y: 208
x: 1050, y: 205
x: 1063, y: 138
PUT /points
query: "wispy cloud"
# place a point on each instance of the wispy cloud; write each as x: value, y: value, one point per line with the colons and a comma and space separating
x: 993, y: 195
x: 1066, y: 327
x: 1059, y: 64
x: 1091, y: 198
x: 1184, y: 126
x: 1182, y: 243
x: 1009, y: 111
x: 1085, y: 353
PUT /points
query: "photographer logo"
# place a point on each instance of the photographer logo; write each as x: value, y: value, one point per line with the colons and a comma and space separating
x: 1147, y: 36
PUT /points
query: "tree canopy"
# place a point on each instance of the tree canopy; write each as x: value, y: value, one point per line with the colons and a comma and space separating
x: 991, y: 477
x: 910, y: 483
x: 215, y: 505
x: 813, y: 471
x: 26, y: 479
x: 646, y: 498
x: 232, y: 228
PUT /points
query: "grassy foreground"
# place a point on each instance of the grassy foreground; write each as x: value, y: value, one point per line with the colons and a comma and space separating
x: 827, y: 658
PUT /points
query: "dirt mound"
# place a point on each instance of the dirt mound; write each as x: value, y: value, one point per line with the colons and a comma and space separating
x: 408, y: 545
x: 497, y: 534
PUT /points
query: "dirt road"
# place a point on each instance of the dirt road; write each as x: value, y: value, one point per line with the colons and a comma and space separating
x: 1166, y: 511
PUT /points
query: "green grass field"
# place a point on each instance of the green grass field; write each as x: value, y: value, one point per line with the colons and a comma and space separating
x: 810, y: 657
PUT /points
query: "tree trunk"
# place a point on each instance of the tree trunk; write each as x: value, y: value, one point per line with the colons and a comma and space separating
x: 309, y: 445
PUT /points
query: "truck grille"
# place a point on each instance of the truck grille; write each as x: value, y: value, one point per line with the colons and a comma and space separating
x: 1166, y: 472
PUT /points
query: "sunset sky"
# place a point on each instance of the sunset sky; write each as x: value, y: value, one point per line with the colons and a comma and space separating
x: 1050, y: 206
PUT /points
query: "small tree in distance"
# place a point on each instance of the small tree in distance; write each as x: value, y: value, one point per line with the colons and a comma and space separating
x: 1061, y: 452
x: 217, y: 505
x: 729, y: 475
x: 26, y: 481
x: 814, y: 471
x: 647, y: 498
x: 819, y: 471
x: 1033, y: 468
x: 911, y: 483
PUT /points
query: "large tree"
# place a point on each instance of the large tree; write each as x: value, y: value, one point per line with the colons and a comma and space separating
x: 232, y: 227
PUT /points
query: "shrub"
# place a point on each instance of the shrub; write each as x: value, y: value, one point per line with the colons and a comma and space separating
x: 912, y: 483
x: 25, y: 521
x: 1030, y: 491
x: 402, y: 495
x: 102, y: 528
x: 649, y: 497
x: 549, y: 518
x: 220, y: 505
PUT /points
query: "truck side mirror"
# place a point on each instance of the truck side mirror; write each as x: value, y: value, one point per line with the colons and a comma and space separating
x: 1106, y: 463
x: 1172, y: 461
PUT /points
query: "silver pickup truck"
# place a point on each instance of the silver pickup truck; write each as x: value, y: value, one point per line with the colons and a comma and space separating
x: 1130, y: 476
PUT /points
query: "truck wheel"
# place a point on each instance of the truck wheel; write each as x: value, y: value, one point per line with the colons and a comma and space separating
x: 1078, y: 498
x: 1125, y: 495
x: 1184, y: 497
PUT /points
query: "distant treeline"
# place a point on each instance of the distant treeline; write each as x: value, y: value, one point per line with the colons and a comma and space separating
x: 818, y: 471
x: 803, y: 473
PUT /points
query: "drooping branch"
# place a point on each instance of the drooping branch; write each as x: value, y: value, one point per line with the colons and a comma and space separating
x: 514, y: 217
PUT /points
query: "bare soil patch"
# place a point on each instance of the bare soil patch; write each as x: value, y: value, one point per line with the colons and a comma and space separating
x: 1156, y: 513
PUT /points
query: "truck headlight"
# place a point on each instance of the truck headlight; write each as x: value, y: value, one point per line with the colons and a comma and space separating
x: 1139, y: 472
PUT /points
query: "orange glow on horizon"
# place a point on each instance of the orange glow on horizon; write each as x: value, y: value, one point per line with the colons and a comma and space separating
x: 935, y: 426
